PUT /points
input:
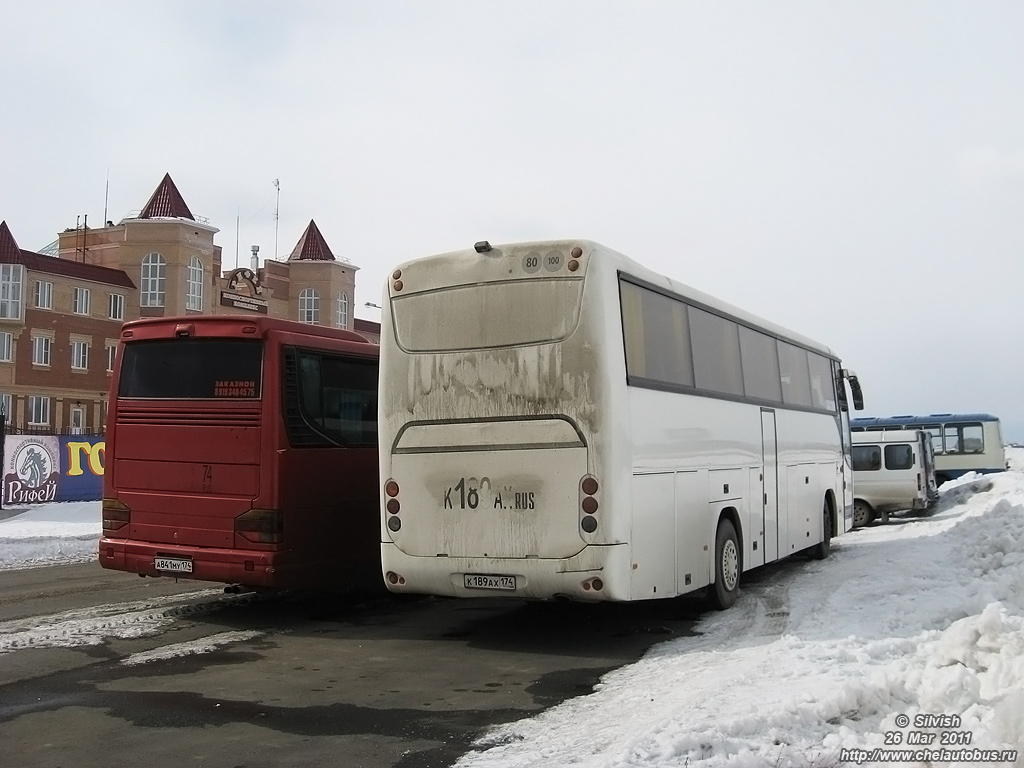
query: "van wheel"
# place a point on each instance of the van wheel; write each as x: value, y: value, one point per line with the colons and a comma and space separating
x: 862, y: 514
x: 726, y: 588
x: 823, y: 549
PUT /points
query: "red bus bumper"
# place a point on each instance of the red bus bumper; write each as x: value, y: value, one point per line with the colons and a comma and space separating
x: 229, y: 566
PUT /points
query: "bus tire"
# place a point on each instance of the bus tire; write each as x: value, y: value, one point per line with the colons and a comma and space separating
x: 726, y: 588
x: 823, y: 548
x: 862, y: 514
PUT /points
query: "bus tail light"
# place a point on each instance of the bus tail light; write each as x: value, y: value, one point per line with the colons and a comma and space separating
x: 919, y: 481
x: 261, y: 526
x: 393, y: 506
x: 116, y: 515
x: 594, y: 584
x: 395, y: 579
x: 588, y: 504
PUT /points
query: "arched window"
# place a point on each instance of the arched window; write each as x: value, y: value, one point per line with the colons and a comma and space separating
x: 194, y: 294
x: 343, y: 310
x: 154, y: 276
x: 309, y: 306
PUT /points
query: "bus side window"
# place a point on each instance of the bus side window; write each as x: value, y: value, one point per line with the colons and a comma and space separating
x: 974, y: 438
x: 951, y: 439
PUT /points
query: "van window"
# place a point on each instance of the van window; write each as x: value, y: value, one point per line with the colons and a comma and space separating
x: 866, y: 458
x: 899, y: 456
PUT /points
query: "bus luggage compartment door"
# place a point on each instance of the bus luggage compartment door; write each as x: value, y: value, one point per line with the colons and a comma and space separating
x: 496, y: 489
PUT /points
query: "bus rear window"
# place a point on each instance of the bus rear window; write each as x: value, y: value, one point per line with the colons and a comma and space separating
x: 490, y: 315
x: 192, y: 369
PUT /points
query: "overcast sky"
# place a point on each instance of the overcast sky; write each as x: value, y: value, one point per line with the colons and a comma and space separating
x: 851, y: 170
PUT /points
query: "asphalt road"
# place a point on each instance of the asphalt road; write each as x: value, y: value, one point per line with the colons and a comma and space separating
x: 289, y: 679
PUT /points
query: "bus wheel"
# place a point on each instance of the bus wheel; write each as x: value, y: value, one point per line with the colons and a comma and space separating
x: 861, y: 513
x: 726, y: 588
x: 822, y: 549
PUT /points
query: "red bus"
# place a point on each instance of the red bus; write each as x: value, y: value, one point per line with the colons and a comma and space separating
x: 243, y: 450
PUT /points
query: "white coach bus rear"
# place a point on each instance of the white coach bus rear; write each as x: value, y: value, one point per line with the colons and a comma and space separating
x: 557, y: 421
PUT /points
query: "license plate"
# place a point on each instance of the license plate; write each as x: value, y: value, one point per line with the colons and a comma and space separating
x: 173, y: 565
x: 485, y: 581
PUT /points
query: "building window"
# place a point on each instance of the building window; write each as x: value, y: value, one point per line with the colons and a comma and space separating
x: 6, y: 347
x: 41, y: 350
x: 80, y: 355
x: 81, y: 301
x: 6, y: 407
x: 77, y: 420
x: 194, y: 294
x: 116, y: 306
x: 44, y: 295
x: 343, y: 310
x: 111, y: 356
x: 154, y: 275
x: 309, y: 306
x: 10, y: 290
x: 38, y: 411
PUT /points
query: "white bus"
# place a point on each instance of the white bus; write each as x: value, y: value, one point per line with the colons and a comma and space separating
x: 558, y: 422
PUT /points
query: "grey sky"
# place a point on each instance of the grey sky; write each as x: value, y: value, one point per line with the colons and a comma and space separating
x: 851, y: 170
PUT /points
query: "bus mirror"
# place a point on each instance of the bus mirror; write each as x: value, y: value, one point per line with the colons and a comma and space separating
x: 858, y: 394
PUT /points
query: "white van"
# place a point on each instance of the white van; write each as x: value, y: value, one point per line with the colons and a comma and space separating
x: 893, y: 470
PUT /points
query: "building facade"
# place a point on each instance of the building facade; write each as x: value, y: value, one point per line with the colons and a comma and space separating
x: 60, y: 317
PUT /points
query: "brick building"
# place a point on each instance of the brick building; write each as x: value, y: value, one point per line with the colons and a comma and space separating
x: 60, y: 317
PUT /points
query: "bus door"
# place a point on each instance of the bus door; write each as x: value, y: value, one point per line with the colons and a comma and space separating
x: 770, y: 491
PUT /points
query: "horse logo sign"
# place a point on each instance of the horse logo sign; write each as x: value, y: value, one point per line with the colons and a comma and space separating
x: 33, y: 471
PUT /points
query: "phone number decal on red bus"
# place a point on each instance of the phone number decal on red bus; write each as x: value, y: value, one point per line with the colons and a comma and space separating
x: 234, y: 389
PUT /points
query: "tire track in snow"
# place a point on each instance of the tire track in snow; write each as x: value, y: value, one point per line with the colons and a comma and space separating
x: 90, y: 626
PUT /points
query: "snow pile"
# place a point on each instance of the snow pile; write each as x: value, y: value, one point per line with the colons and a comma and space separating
x: 50, y: 533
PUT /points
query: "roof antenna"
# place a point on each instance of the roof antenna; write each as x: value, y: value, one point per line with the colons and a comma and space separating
x: 106, y: 196
x: 277, y: 214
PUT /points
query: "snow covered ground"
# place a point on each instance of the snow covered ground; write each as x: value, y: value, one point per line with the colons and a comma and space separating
x: 47, y: 534
x: 910, y: 637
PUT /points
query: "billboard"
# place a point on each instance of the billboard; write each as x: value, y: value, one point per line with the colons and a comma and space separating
x: 38, y: 469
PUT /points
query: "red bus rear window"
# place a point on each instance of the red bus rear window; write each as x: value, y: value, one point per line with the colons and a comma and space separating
x: 192, y: 369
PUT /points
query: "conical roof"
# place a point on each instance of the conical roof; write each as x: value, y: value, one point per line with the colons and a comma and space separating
x: 311, y: 246
x: 166, y: 202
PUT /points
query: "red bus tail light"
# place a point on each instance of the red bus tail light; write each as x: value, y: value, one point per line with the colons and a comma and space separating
x: 261, y: 526
x: 116, y: 515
